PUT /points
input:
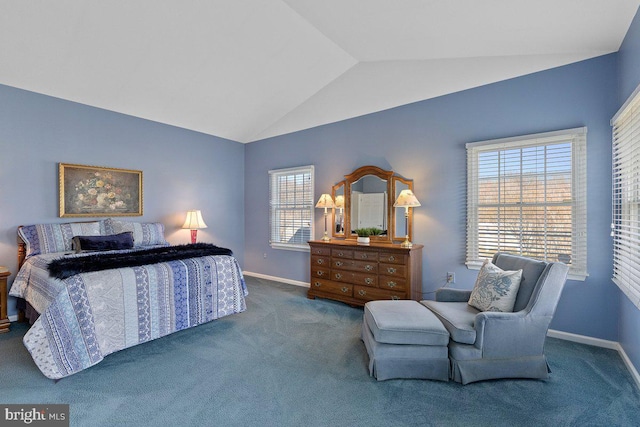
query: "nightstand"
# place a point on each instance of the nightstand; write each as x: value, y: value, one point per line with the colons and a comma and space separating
x: 4, y: 319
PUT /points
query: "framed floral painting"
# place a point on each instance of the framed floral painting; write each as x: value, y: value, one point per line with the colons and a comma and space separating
x: 99, y: 191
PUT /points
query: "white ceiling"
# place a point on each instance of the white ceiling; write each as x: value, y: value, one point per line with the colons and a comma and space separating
x: 251, y: 69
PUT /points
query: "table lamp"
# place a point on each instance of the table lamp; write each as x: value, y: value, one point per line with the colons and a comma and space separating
x: 325, y: 202
x: 194, y: 222
x: 406, y: 200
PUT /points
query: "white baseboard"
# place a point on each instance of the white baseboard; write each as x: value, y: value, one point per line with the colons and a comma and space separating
x: 582, y: 339
x: 276, y: 279
x: 613, y: 345
x: 632, y: 369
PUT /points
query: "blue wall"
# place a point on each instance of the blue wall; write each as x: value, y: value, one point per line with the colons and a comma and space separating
x: 182, y: 169
x: 629, y: 64
x: 426, y: 141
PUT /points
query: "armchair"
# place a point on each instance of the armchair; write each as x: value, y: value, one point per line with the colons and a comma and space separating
x: 491, y: 345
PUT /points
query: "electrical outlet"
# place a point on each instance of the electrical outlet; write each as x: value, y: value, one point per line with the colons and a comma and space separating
x: 451, y: 277
x: 265, y: 255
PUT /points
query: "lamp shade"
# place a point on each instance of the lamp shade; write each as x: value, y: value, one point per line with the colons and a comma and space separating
x: 325, y: 201
x: 406, y: 199
x: 194, y: 220
x: 340, y: 201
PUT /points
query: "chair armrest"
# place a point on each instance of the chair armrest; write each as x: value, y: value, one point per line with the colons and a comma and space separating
x: 452, y: 295
x: 511, y: 334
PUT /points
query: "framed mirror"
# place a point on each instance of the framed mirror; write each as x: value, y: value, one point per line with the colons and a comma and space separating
x: 337, y: 193
x: 401, y: 226
x: 364, y: 199
x: 367, y: 205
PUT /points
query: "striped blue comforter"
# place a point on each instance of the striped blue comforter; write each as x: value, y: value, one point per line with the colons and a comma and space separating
x: 90, y: 315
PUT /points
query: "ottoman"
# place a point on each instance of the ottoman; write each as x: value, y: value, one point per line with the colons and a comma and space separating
x: 404, y: 339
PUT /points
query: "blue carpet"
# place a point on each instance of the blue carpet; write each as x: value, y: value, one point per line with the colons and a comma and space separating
x: 290, y: 361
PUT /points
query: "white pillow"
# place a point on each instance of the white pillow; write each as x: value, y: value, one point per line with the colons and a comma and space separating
x: 495, y: 289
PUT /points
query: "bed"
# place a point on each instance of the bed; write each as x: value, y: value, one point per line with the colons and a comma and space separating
x: 136, y: 294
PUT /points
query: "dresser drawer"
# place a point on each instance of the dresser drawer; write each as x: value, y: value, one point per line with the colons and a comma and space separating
x: 330, y: 287
x: 355, y: 278
x: 320, y: 272
x: 365, y: 279
x: 342, y: 253
x: 393, y: 270
x: 320, y: 261
x: 365, y: 255
x: 320, y: 250
x: 392, y: 283
x: 363, y: 266
x: 371, y: 294
x: 392, y: 258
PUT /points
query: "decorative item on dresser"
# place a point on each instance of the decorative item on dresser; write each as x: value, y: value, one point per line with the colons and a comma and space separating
x: 4, y: 319
x: 354, y: 274
x: 325, y: 202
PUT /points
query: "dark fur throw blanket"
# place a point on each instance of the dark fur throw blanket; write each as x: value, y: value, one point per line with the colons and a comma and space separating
x: 63, y: 268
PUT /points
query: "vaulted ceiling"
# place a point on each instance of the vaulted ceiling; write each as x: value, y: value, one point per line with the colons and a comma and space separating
x: 251, y: 69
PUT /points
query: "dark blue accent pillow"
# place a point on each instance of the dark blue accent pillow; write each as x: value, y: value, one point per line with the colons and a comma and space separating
x: 103, y: 243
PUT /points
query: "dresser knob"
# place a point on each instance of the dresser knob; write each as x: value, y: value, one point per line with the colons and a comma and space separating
x: 317, y: 284
x: 338, y: 263
x: 320, y: 261
x: 391, y: 284
x: 345, y: 289
x: 394, y: 297
x: 368, y: 280
x: 340, y: 254
x: 391, y: 270
x: 368, y: 267
x: 338, y: 276
x: 364, y: 256
x: 320, y: 273
x: 392, y: 258
x: 362, y: 292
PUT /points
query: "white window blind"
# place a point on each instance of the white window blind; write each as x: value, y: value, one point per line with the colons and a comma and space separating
x: 527, y: 196
x: 625, y: 225
x: 291, y: 207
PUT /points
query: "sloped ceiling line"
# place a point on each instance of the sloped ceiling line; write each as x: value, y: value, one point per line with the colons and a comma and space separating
x: 246, y: 70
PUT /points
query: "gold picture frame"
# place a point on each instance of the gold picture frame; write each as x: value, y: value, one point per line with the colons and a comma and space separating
x: 91, y: 191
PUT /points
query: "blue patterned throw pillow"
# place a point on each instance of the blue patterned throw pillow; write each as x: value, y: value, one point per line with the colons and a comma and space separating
x: 495, y: 289
x: 48, y: 238
x: 144, y: 233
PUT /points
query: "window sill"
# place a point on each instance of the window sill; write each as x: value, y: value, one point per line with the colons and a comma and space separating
x: 290, y: 247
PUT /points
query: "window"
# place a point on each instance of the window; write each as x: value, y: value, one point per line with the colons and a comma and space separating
x: 625, y: 222
x: 527, y: 196
x: 291, y: 207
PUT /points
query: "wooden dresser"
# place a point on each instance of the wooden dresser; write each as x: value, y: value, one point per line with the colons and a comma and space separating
x: 4, y: 319
x: 344, y: 271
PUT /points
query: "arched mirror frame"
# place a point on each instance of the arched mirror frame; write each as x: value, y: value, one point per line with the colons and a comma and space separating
x: 354, y: 177
x: 398, y: 226
x: 339, y: 212
x: 395, y: 184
